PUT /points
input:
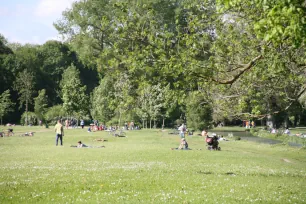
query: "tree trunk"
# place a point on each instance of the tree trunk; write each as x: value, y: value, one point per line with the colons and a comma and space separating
x: 26, y: 113
x: 163, y: 123
x: 119, y: 122
x: 143, y: 123
x: 286, y: 122
x: 155, y: 124
x: 150, y: 123
x: 295, y: 120
x: 270, y: 122
x: 1, y: 121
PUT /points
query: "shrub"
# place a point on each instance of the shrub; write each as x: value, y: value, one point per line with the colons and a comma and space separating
x: 32, y: 118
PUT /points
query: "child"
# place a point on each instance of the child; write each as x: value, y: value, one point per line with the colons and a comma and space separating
x: 183, y: 145
x: 80, y: 145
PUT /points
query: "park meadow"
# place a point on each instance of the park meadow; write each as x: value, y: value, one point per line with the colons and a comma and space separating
x: 142, y: 168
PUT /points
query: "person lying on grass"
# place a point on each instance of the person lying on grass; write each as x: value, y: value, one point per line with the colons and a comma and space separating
x: 81, y: 145
x: 28, y: 134
x: 222, y: 138
x: 183, y: 145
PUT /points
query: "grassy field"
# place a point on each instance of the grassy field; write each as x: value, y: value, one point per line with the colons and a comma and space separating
x: 141, y: 168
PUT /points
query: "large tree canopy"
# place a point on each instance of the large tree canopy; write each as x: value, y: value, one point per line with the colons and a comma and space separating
x: 157, y: 59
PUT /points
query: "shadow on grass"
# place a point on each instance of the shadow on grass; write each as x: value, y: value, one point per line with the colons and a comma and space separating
x: 209, y: 173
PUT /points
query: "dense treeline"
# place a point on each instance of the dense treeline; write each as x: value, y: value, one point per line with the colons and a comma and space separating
x: 161, y: 62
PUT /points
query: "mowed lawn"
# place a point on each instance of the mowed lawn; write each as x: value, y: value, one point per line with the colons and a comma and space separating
x: 141, y: 168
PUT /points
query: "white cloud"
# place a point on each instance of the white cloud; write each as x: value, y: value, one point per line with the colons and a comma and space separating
x: 46, y: 8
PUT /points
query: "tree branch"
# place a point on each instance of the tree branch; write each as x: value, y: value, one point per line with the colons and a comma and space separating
x: 275, y: 112
x: 246, y: 68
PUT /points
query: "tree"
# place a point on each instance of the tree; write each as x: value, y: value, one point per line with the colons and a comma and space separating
x: 199, y: 112
x: 6, y: 76
x: 6, y: 105
x: 102, y: 100
x: 73, y: 92
x: 54, y: 113
x: 24, y: 85
x: 248, y: 57
x: 123, y: 96
x: 40, y: 104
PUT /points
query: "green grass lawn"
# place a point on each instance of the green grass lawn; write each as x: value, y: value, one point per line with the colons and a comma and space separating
x: 141, y: 168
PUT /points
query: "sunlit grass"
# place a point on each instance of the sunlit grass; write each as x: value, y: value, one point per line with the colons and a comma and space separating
x: 141, y: 168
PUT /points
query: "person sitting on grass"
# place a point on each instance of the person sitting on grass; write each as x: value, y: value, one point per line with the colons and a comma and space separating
x: 10, y: 132
x: 204, y: 133
x: 222, y: 138
x: 287, y: 131
x: 183, y: 145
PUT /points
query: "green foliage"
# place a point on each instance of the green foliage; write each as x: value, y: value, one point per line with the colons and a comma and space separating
x: 246, y: 58
x: 73, y: 92
x: 102, y: 100
x: 24, y: 85
x: 199, y: 112
x: 29, y: 118
x: 54, y: 113
x: 279, y: 21
x: 6, y: 104
x: 4, y: 49
x: 40, y: 104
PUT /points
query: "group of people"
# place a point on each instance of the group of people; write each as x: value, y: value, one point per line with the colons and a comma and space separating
x: 183, y: 142
x: 131, y: 126
x: 248, y: 124
x: 212, y: 141
x: 274, y: 131
x: 59, y: 130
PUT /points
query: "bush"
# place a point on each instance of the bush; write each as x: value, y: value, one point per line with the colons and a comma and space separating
x: 32, y: 118
x: 54, y: 113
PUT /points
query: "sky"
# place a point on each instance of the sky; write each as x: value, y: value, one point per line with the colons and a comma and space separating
x: 31, y: 21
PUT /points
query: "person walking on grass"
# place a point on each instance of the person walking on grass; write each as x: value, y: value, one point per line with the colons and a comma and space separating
x: 59, y: 129
x: 182, y: 130
x: 82, y: 124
